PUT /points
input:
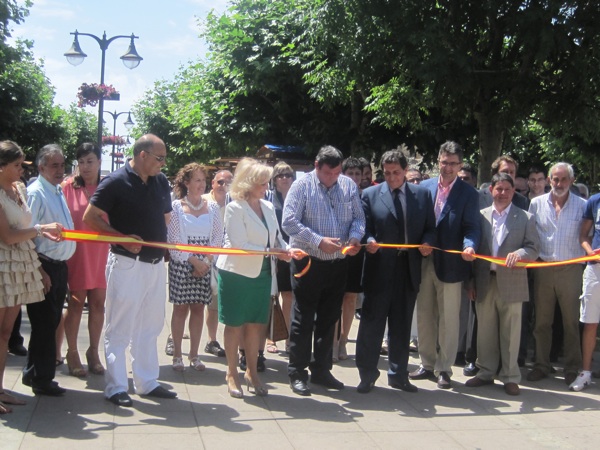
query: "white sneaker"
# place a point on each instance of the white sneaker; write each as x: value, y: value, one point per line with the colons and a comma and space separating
x: 583, y: 380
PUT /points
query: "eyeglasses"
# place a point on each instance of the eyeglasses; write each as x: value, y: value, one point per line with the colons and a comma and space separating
x: 284, y: 175
x: 158, y: 158
x: 222, y: 182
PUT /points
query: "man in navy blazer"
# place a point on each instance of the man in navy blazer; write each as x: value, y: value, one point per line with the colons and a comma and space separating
x: 456, y: 208
x: 391, y: 277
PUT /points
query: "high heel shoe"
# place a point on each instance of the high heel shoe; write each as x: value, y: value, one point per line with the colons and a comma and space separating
x: 74, y: 364
x: 236, y: 391
x: 93, y: 362
x: 261, y: 391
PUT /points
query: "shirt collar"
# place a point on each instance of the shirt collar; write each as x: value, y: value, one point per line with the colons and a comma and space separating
x: 450, y: 186
x: 503, y: 213
x: 49, y: 186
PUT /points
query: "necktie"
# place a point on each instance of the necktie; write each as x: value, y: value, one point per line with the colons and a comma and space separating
x: 399, y: 215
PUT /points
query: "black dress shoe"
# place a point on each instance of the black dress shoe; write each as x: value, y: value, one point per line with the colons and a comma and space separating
x: 161, y: 392
x: 326, y: 379
x: 365, y: 386
x: 299, y: 387
x: 402, y: 384
x: 51, y: 389
x: 470, y: 370
x: 443, y: 381
x: 422, y: 374
x: 18, y: 350
x: 121, y: 399
x: 260, y: 364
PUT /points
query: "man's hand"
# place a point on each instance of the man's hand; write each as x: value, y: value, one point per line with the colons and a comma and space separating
x: 355, y: 244
x: 372, y: 247
x: 133, y: 248
x: 512, y: 259
x: 467, y: 254
x: 330, y: 245
x: 425, y: 249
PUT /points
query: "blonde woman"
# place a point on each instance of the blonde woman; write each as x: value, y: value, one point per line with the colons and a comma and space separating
x: 247, y: 282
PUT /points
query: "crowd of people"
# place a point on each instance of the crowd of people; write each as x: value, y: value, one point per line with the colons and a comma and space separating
x: 331, y: 244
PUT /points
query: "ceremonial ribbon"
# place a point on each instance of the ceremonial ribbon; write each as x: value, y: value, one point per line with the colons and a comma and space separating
x: 91, y: 236
x: 499, y: 261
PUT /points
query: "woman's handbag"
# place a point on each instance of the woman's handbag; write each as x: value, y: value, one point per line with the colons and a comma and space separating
x: 277, y: 329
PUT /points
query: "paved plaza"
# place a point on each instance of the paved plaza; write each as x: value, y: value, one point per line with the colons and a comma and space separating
x: 204, y: 416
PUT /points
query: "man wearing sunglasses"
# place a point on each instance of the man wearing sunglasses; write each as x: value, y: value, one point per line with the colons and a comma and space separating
x: 136, y: 201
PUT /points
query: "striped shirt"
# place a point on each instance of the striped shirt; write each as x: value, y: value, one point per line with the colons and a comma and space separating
x: 559, y: 235
x: 312, y: 212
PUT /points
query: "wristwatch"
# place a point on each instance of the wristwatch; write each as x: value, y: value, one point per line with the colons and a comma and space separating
x: 38, y: 229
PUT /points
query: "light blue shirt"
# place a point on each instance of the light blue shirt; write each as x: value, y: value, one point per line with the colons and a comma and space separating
x: 47, y: 204
x: 312, y: 212
x: 559, y: 235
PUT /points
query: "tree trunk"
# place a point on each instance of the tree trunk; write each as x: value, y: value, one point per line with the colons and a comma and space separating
x: 491, y: 135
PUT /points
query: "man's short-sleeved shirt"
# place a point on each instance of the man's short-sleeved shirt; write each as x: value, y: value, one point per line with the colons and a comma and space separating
x: 592, y: 212
x: 135, y: 207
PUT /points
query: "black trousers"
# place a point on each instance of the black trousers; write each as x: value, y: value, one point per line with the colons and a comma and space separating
x: 15, y: 336
x: 44, y: 317
x: 318, y: 297
x: 395, y: 304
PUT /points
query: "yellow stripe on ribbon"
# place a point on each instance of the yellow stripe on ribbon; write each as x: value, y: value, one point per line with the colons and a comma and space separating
x: 499, y: 261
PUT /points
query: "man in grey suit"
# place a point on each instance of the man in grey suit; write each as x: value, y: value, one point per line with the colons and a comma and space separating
x: 507, y: 232
x: 396, y: 212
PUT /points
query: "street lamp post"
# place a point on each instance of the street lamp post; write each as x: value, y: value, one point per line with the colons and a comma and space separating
x: 128, y: 124
x: 131, y: 60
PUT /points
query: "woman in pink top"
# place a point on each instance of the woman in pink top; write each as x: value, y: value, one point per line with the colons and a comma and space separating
x: 86, y: 267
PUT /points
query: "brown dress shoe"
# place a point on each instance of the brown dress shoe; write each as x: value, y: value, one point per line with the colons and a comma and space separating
x: 422, y: 374
x: 512, y: 388
x: 478, y: 382
x: 536, y: 375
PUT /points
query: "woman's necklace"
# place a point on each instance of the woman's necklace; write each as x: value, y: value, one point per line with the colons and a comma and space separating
x: 192, y: 206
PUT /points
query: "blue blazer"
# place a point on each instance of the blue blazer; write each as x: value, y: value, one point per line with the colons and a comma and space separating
x: 382, y: 225
x: 458, y: 227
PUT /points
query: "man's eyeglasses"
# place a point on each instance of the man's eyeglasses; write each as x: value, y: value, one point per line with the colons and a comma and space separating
x: 158, y: 158
x: 284, y: 175
x: 222, y: 182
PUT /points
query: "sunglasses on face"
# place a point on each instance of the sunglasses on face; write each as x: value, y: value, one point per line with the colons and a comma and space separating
x: 284, y: 175
x: 222, y: 182
x: 158, y: 158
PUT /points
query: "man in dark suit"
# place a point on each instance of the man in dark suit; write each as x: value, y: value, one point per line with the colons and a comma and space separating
x: 438, y: 303
x: 396, y: 212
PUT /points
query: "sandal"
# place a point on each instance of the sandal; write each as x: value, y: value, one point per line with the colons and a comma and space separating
x: 74, y: 364
x: 196, y: 364
x: 59, y: 362
x: 10, y: 400
x: 178, y: 365
x: 95, y: 367
x: 272, y: 348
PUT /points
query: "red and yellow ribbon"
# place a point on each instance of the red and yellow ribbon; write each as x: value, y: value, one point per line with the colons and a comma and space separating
x: 499, y: 261
x: 91, y: 236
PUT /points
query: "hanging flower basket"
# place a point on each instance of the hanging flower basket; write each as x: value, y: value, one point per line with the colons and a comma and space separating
x: 113, y: 140
x: 90, y: 94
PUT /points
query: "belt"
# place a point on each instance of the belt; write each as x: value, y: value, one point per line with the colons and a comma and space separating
x: 492, y: 273
x: 326, y: 261
x: 50, y: 260
x: 142, y: 258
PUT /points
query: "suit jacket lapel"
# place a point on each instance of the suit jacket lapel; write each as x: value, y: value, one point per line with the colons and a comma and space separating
x: 386, y: 198
x: 454, y: 194
x: 488, y: 232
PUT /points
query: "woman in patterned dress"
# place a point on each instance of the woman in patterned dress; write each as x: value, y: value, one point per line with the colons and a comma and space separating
x: 193, y: 221
x: 20, y: 276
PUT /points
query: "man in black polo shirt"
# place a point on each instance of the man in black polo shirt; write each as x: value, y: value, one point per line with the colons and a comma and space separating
x: 136, y: 201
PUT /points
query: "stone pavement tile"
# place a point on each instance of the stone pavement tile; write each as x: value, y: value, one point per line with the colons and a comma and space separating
x: 414, y: 440
x: 167, y: 441
x: 246, y: 441
x: 346, y: 440
x: 73, y: 442
x: 316, y: 421
x: 586, y: 400
x: 374, y: 421
x: 559, y: 419
x: 289, y: 401
x: 156, y: 421
x: 220, y: 398
x: 469, y: 421
x: 496, y: 439
x: 261, y: 423
x: 67, y: 425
